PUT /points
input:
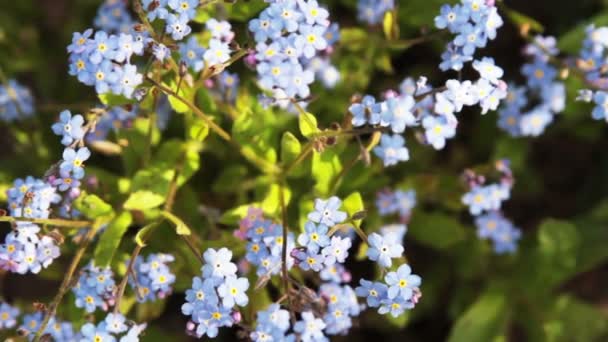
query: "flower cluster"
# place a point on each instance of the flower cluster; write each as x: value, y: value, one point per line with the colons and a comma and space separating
x: 318, y: 250
x: 176, y: 14
x: 16, y: 101
x: 264, y: 243
x: 391, y: 202
x: 515, y: 116
x: 592, y: 60
x: 474, y: 22
x: 372, y: 11
x: 114, y: 327
x: 95, y: 288
x: 104, y: 61
x: 197, y: 58
x: 57, y: 330
x: 272, y: 325
x: 154, y: 278
x: 114, y: 17
x: 288, y: 36
x: 435, y: 113
x: 485, y: 202
x: 400, y: 291
x: 211, y: 301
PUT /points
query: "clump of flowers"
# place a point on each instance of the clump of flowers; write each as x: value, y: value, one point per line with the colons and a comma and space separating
x: 288, y: 36
x: 104, y: 61
x: 212, y: 300
x: 153, y: 277
x: 485, y: 202
x: 516, y: 117
x: 95, y: 288
x: 474, y: 23
x: 16, y: 102
x: 114, y: 327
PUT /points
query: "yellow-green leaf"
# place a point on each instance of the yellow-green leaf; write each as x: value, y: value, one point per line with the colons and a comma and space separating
x: 110, y: 239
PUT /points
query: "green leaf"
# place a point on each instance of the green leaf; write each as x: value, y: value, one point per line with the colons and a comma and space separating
x: 92, y: 206
x: 436, y: 230
x: 110, y: 239
x: 573, y: 320
x: 290, y: 148
x: 271, y: 205
x: 180, y: 227
x: 484, y: 320
x: 353, y: 38
x: 325, y: 167
x: 143, y: 199
x: 111, y: 100
x: 558, y: 243
x: 571, y: 41
x: 197, y: 130
x: 308, y: 124
x: 354, y: 204
x: 185, y: 92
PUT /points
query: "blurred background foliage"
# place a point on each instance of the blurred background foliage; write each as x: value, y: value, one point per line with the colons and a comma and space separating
x: 553, y: 289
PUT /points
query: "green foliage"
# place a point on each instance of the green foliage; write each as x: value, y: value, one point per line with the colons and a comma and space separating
x: 110, y: 239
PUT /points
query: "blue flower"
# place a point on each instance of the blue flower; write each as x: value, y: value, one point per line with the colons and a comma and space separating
x: 535, y: 122
x: 191, y: 53
x: 127, y: 46
x: 128, y: 81
x: 79, y: 42
x: 232, y: 291
x: 392, y: 149
x: 337, y: 251
x: 187, y: 7
x: 488, y: 70
x: 310, y: 260
x: 470, y: 38
x: 70, y: 128
x: 374, y: 292
x: 217, y: 263
x: 383, y: 250
x: 437, y: 130
x: 92, y: 333
x: 310, y: 328
x: 601, y: 109
x: 115, y: 323
x: 104, y: 47
x: 8, y: 316
x: 261, y: 28
x: 220, y: 29
x: 506, y: 238
x: 402, y: 282
x: 313, y: 13
x: 326, y: 212
x: 202, y: 292
x: 311, y: 39
x: 73, y: 161
x: 395, y: 306
x: 314, y: 236
x: 177, y: 26
x: 452, y: 18
x: 368, y: 111
x: 405, y: 202
x: 217, y: 53
x: 160, y: 10
x: 398, y: 113
x: 539, y: 73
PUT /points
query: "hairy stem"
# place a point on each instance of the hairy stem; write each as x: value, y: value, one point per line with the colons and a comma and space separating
x: 67, y: 280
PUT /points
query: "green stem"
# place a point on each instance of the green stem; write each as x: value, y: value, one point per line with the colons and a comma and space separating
x: 67, y: 280
x: 50, y: 222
